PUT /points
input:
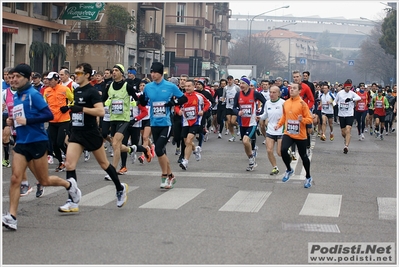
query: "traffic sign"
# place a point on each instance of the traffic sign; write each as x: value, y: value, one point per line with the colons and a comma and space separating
x: 302, y: 61
x: 351, y: 62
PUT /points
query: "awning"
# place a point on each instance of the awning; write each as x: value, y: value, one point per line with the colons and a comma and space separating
x: 10, y: 29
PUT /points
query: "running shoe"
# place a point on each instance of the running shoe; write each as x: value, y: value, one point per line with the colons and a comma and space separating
x: 177, y: 152
x: 141, y: 159
x: 163, y: 182
x: 111, y: 151
x: 153, y: 150
x: 50, y: 159
x: 293, y: 156
x: 133, y: 157
x: 107, y: 177
x: 275, y: 171
x: 25, y: 190
x: 122, y: 171
x: 252, y: 164
x: 6, y: 163
x: 232, y: 139
x: 180, y: 159
x: 60, y: 168
x: 264, y: 142
x: 147, y: 154
x: 170, y: 182
x: 219, y: 136
x: 132, y: 153
x: 74, y: 191
x: 346, y: 150
x: 121, y: 196
x: 381, y: 137
x: 365, y: 130
x: 184, y: 164
x: 69, y: 206
x: 308, y: 152
x: 393, y: 130
x: 86, y: 155
x: 227, y: 132
x: 9, y: 222
x: 308, y: 182
x: 362, y: 136
x: 39, y: 190
x: 287, y: 175
x: 206, y: 136
x: 197, y: 153
x: 255, y: 151
x: 323, y: 138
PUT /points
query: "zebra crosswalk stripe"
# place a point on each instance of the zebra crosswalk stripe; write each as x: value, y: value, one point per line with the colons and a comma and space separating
x: 246, y: 201
x: 327, y: 205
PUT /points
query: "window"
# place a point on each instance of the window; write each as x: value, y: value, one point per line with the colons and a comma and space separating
x: 180, y: 45
x: 7, y: 4
x: 21, y: 6
x: 55, y: 37
x: 55, y: 11
x: 181, y: 12
x: 39, y: 8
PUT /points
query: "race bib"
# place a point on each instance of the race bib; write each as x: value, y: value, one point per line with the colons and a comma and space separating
x: 246, y: 110
x: 326, y: 106
x: 18, y: 111
x: 361, y: 106
x: 190, y: 113
x: 293, y: 126
x: 231, y: 101
x: 344, y: 106
x: 159, y: 109
x: 378, y: 104
x: 78, y: 119
x: 117, y: 107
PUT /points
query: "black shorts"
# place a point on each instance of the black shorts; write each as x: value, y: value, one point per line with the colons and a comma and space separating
x: 329, y: 116
x: 190, y: 129
x: 214, y: 112
x: 382, y: 118
x: 345, y: 121
x: 31, y: 151
x: 229, y: 111
x: 145, y: 123
x: 371, y: 111
x: 274, y: 137
x: 91, y: 140
x: 248, y: 131
x: 119, y: 127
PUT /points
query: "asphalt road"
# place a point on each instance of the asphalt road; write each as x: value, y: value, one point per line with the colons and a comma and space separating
x: 218, y: 213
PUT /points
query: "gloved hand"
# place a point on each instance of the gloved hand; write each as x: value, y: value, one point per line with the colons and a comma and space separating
x: 76, y: 109
x: 348, y: 100
x: 171, y: 103
x: 132, y: 122
x: 64, y: 109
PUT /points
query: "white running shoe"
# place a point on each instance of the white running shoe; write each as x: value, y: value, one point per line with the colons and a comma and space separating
x: 9, y: 222
x: 69, y: 206
x: 87, y: 155
x: 121, y: 196
x: 232, y: 139
x: 50, y: 159
x: 197, y: 153
x: 74, y: 191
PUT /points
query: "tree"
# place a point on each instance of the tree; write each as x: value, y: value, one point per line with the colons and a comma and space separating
x: 388, y: 38
x: 264, y: 54
x: 374, y: 60
x: 119, y: 18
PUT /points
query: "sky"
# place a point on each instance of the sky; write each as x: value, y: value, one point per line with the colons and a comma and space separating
x: 373, y: 10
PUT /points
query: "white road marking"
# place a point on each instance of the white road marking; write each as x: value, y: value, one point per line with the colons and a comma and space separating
x: 173, y: 199
x: 327, y: 205
x: 246, y: 201
x: 386, y: 208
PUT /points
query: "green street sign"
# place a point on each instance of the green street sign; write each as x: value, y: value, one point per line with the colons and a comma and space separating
x: 82, y: 11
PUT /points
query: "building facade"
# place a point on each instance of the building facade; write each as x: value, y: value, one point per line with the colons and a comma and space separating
x: 33, y: 34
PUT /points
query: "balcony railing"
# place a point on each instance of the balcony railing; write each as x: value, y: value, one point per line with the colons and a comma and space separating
x: 98, y: 34
x: 150, y: 41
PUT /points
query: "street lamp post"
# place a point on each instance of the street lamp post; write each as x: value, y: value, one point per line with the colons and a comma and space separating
x: 250, y: 28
